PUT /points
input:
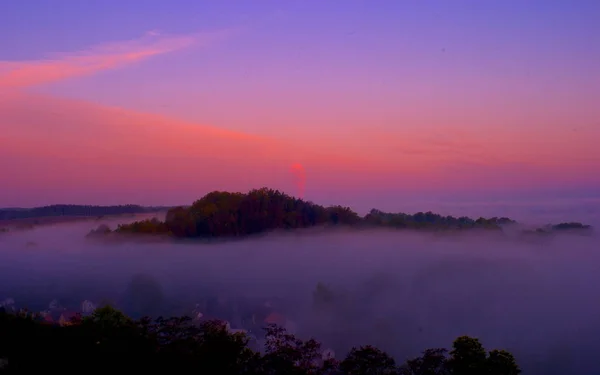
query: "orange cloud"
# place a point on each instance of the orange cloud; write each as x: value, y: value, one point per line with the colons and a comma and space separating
x: 20, y: 74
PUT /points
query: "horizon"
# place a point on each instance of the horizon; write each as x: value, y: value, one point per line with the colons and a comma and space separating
x: 525, y: 210
x: 398, y: 103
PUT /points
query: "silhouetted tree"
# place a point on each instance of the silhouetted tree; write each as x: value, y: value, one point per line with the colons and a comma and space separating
x: 467, y: 357
x: 432, y: 362
x: 109, y: 340
x: 501, y: 362
x: 368, y: 360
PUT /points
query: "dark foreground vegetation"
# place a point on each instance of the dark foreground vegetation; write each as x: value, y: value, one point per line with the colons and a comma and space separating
x: 224, y: 214
x: 108, y: 340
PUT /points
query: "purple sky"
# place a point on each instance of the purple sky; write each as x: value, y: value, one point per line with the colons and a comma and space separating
x: 477, y: 98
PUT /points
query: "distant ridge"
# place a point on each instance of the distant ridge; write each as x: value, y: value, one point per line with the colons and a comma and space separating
x: 72, y: 210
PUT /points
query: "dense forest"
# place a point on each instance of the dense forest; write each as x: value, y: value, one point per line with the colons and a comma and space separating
x: 73, y: 210
x: 224, y: 214
x: 108, y: 340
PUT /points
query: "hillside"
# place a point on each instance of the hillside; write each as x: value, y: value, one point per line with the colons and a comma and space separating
x: 225, y: 214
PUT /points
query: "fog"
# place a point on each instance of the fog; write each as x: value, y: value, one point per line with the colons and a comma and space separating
x: 399, y: 290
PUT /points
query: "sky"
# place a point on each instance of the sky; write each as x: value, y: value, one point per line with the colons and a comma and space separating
x: 382, y: 103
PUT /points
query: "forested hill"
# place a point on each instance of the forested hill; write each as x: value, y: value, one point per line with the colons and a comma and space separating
x: 224, y: 214
x: 73, y: 210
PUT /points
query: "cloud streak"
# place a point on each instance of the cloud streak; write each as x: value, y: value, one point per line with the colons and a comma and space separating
x: 58, y: 67
x: 65, y: 150
x: 66, y: 147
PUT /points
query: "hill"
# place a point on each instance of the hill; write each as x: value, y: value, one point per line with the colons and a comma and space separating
x: 225, y: 215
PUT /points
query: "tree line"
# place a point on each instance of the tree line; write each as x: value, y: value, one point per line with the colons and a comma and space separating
x: 73, y: 210
x: 108, y: 340
x: 225, y: 214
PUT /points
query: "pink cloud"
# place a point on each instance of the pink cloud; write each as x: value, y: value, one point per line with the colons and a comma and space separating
x: 60, y: 66
x: 437, y: 148
x: 52, y: 147
x: 58, y: 150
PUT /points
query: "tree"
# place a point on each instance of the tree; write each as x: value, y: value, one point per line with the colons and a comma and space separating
x: 468, y: 357
x: 368, y: 360
x: 224, y: 352
x: 180, y: 222
x: 286, y: 354
x: 501, y: 362
x: 110, y: 340
x: 107, y: 317
x: 432, y: 362
x: 225, y: 214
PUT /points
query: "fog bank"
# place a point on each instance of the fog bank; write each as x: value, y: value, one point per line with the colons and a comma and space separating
x: 402, y: 291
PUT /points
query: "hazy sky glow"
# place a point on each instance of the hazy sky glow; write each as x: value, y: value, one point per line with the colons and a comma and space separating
x: 109, y: 102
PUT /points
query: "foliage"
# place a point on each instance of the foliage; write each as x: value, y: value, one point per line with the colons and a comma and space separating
x: 110, y: 341
x: 368, y: 360
x: 149, y: 226
x: 432, y: 362
x: 571, y: 225
x: 225, y: 214
x: 501, y: 362
x: 550, y: 230
x: 102, y: 230
x: 468, y: 357
x: 422, y: 220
